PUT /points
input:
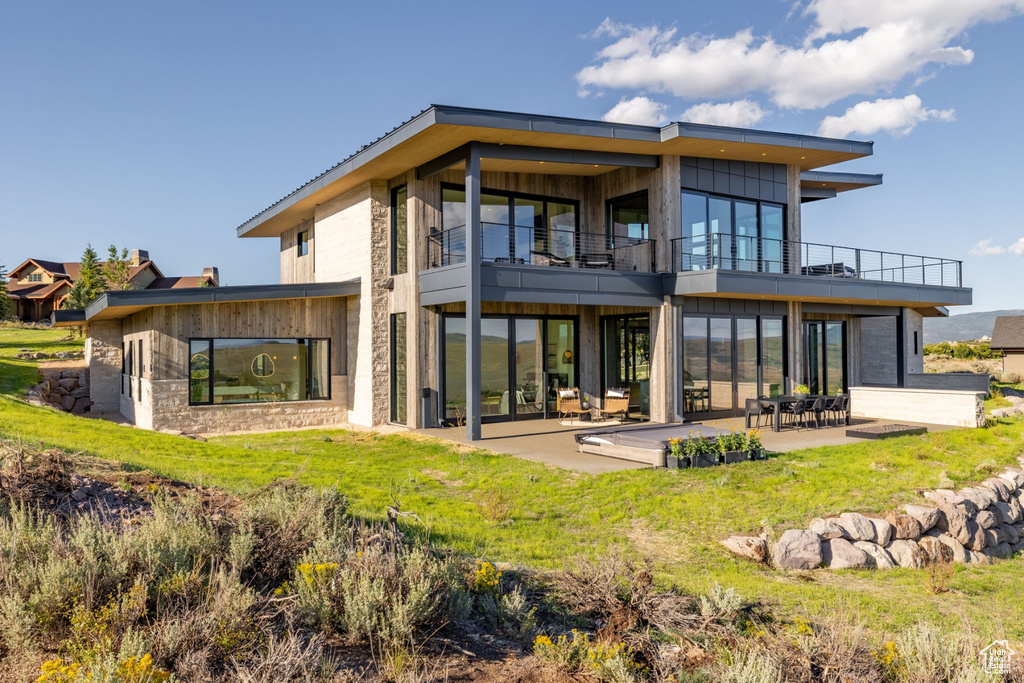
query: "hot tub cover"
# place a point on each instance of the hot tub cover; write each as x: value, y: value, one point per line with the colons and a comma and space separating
x: 650, y: 436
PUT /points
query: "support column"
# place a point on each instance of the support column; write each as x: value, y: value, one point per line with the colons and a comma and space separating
x: 794, y: 227
x: 901, y: 349
x: 473, y: 244
x: 795, y: 339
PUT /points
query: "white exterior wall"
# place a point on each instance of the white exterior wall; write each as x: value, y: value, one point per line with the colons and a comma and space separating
x: 930, y: 406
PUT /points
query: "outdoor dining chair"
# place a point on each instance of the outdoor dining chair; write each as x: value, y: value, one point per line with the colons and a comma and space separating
x: 796, y: 411
x: 837, y: 409
x: 817, y: 410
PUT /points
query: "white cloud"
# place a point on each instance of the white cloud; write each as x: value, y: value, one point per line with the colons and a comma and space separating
x: 851, y: 47
x: 897, y: 116
x: 739, y: 114
x: 641, y: 110
x: 1017, y: 248
x: 985, y: 248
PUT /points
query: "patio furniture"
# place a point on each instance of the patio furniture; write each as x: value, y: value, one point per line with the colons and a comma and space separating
x: 569, y: 403
x: 817, y: 410
x: 839, y: 408
x: 757, y: 407
x: 546, y: 258
x: 616, y: 402
x: 602, y: 260
x: 694, y: 395
x: 796, y: 409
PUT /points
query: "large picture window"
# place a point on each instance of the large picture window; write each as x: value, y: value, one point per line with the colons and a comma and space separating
x: 728, y: 233
x: 258, y: 370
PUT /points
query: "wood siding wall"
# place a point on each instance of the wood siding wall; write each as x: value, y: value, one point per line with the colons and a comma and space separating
x: 295, y: 268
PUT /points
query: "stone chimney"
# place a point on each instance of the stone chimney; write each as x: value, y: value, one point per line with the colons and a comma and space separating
x: 139, y: 256
x: 211, y: 275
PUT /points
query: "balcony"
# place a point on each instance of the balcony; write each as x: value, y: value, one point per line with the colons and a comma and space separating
x: 558, y: 248
x: 784, y: 257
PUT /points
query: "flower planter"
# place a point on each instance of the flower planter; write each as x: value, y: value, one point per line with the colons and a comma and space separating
x: 673, y: 462
x: 757, y: 454
x: 704, y: 460
x: 730, y: 457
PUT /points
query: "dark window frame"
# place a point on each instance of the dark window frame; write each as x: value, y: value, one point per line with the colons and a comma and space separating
x: 308, y: 342
x: 393, y: 366
x: 632, y: 195
x: 398, y: 244
x: 302, y: 242
x: 732, y: 199
x: 805, y: 341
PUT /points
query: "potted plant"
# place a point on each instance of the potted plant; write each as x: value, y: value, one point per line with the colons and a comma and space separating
x: 755, y: 451
x: 676, y: 459
x: 732, y: 447
x: 801, y: 391
x: 586, y: 402
x: 701, y: 451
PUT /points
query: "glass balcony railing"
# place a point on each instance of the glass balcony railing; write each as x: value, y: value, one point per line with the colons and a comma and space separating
x: 565, y: 248
x: 762, y: 255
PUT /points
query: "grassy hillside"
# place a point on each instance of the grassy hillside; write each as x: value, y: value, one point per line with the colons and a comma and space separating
x: 503, y: 508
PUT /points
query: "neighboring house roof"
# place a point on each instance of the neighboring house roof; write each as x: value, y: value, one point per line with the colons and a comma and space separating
x: 440, y: 129
x: 177, y: 282
x: 36, y: 290
x: 69, y: 270
x: 1008, y: 332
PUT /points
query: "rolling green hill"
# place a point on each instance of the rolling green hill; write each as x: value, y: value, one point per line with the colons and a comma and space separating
x: 963, y: 327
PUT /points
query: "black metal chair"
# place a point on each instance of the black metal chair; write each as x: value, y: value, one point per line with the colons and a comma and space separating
x: 838, y: 409
x: 817, y: 410
x: 796, y: 411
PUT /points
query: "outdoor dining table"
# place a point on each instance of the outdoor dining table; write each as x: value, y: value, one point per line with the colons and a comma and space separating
x: 778, y: 402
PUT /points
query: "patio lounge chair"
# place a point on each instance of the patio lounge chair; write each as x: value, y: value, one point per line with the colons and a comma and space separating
x: 569, y: 403
x: 616, y: 402
x: 546, y: 258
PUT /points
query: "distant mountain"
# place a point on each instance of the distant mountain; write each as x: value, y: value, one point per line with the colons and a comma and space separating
x: 963, y: 327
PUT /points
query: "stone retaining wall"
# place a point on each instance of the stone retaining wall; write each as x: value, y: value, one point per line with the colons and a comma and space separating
x: 972, y: 526
x: 66, y: 390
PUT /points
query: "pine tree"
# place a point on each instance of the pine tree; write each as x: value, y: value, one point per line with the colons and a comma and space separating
x: 6, y: 304
x: 118, y: 269
x: 78, y: 296
x: 91, y: 275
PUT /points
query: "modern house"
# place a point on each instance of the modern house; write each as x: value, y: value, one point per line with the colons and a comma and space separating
x: 1008, y: 337
x: 39, y: 287
x: 469, y: 263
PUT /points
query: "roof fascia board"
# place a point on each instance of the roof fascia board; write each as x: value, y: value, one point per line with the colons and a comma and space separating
x: 531, y: 153
x: 703, y: 131
x: 840, y: 177
x: 211, y: 295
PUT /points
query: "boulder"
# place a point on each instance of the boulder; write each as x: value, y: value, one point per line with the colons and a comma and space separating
x: 1014, y: 477
x: 81, y: 406
x: 905, y: 553
x: 67, y: 403
x: 878, y: 555
x: 977, y: 558
x: 904, y: 527
x: 1000, y: 551
x: 1009, y: 532
x: 83, y: 377
x: 999, y: 487
x: 925, y: 515
x: 80, y: 392
x: 979, y: 497
x: 941, y: 496
x: 934, y: 550
x: 1006, y: 513
x: 959, y: 551
x: 826, y: 528
x: 839, y: 553
x: 856, y: 527
x: 954, y: 520
x: 751, y: 547
x: 798, y: 549
x: 70, y: 383
x: 987, y: 519
x: 61, y: 391
x: 977, y: 539
x: 68, y: 373
x: 883, y: 531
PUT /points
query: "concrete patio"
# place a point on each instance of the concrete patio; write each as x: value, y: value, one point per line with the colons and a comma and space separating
x: 552, y: 442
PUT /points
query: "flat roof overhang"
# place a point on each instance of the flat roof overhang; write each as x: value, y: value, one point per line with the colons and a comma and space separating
x: 68, y: 317
x: 778, y: 287
x: 543, y: 284
x: 816, y: 185
x: 441, y: 129
x: 116, y: 305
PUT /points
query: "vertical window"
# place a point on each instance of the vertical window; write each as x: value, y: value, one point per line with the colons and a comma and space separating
x: 303, y: 241
x: 915, y: 342
x: 399, y: 377
x: 131, y: 367
x: 399, y: 230
x: 124, y: 364
x: 199, y: 352
x: 629, y: 217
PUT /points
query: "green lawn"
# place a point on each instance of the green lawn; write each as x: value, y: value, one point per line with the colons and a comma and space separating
x: 528, y: 514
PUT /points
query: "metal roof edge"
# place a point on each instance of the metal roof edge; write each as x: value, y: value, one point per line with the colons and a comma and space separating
x: 841, y: 177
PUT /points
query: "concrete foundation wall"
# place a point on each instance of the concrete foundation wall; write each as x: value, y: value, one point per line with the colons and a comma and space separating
x: 931, y: 406
x: 166, y: 407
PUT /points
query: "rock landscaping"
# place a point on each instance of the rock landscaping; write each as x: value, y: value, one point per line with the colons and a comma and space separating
x: 1016, y: 398
x: 975, y: 525
x: 28, y: 354
x: 66, y: 390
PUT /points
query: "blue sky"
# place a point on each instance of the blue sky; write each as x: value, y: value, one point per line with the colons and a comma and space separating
x: 164, y: 126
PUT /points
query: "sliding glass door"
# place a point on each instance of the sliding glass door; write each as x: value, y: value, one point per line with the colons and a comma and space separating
x: 523, y: 361
x: 626, y: 359
x: 728, y: 359
x: 825, y: 357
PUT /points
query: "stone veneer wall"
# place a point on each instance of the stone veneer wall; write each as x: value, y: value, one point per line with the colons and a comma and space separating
x: 165, y: 408
x: 974, y: 525
x: 930, y: 406
x: 103, y: 355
